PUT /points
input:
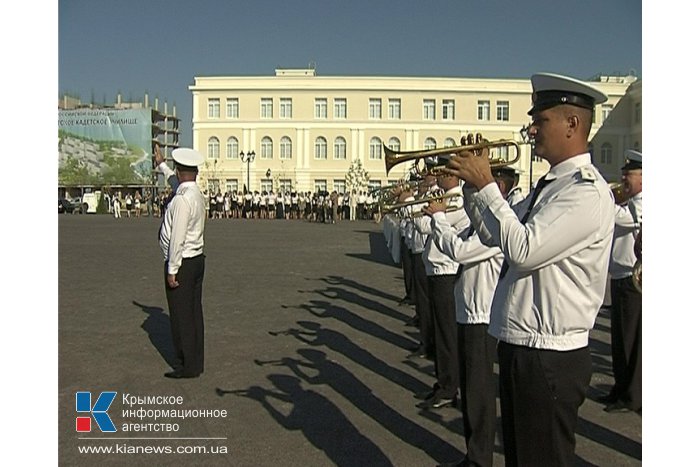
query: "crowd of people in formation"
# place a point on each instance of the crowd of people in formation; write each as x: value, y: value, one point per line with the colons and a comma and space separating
x: 135, y: 204
x: 498, y: 277
x: 321, y: 206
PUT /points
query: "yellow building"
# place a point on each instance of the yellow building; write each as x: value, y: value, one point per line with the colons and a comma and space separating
x: 306, y: 130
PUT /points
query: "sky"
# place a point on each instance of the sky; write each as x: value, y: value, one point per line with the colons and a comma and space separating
x: 157, y: 47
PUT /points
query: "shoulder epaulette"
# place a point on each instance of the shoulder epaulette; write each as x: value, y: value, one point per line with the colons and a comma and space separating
x: 587, y: 174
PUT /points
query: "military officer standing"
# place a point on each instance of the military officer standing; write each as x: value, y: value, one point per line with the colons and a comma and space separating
x: 182, y: 243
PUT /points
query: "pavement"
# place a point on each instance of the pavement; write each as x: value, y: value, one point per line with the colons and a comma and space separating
x: 306, y: 355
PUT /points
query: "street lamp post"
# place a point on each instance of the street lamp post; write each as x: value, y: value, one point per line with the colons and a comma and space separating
x: 248, y: 158
x: 525, y: 135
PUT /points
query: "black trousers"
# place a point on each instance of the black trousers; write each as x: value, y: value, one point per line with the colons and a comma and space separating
x: 186, y: 317
x: 478, y: 386
x: 442, y: 305
x: 407, y: 266
x: 541, y: 392
x: 426, y: 325
x: 626, y: 342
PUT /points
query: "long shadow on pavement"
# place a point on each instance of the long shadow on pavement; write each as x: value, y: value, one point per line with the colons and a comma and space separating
x: 344, y: 383
x: 157, y: 326
x: 321, y: 421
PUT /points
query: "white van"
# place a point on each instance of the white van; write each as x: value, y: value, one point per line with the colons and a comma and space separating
x: 90, y: 201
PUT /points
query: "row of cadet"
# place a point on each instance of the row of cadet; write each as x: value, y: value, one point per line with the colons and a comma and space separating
x: 320, y: 206
x: 498, y: 278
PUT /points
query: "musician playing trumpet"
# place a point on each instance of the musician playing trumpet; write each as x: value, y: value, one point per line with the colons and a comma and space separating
x: 556, y: 247
x: 626, y: 309
x: 442, y: 273
x: 415, y: 242
x: 477, y: 278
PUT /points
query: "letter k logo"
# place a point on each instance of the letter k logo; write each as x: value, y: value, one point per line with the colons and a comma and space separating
x: 83, y: 403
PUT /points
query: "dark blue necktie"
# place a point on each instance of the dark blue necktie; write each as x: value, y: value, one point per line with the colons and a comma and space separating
x: 541, y: 183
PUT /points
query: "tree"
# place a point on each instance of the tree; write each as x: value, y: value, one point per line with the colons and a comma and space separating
x: 357, y: 178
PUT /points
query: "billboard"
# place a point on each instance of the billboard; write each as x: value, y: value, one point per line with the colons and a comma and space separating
x: 104, y: 147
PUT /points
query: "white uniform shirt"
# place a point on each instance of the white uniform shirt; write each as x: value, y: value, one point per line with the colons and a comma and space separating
x: 628, y: 221
x: 558, y: 259
x: 436, y: 262
x: 480, y: 265
x: 182, y: 232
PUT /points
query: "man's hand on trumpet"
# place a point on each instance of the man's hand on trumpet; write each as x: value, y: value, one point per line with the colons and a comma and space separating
x: 472, y: 168
x: 436, y: 205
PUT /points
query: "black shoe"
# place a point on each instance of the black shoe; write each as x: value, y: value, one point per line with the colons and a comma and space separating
x: 179, y: 375
x: 437, y: 403
x: 424, y: 396
x: 606, y: 399
x: 617, y: 407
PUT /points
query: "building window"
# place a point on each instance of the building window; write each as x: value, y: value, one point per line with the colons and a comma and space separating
x: 266, y: 107
x: 321, y: 148
x: 266, y: 185
x: 502, y: 111
x: 375, y: 109
x: 339, y: 186
x: 606, y: 111
x: 286, y: 107
x: 394, y: 109
x: 232, y: 148
x: 340, y: 108
x: 213, y: 185
x: 321, y: 108
x: 375, y: 148
x: 320, y: 185
x: 430, y: 143
x: 213, y: 148
x: 502, y: 153
x: 394, y: 144
x: 638, y: 112
x: 483, y: 111
x: 339, y: 148
x: 232, y: 107
x: 428, y: 109
x: 266, y: 148
x: 449, y: 142
x: 606, y: 153
x: 286, y: 148
x: 448, y: 109
x: 214, y: 108
x: 232, y: 185
x: 285, y: 185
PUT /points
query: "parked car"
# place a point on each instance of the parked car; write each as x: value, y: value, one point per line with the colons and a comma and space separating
x: 66, y: 206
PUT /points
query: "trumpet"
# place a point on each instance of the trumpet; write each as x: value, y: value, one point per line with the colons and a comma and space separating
x: 392, y: 158
x: 618, y: 191
x: 637, y: 275
x: 424, y: 200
